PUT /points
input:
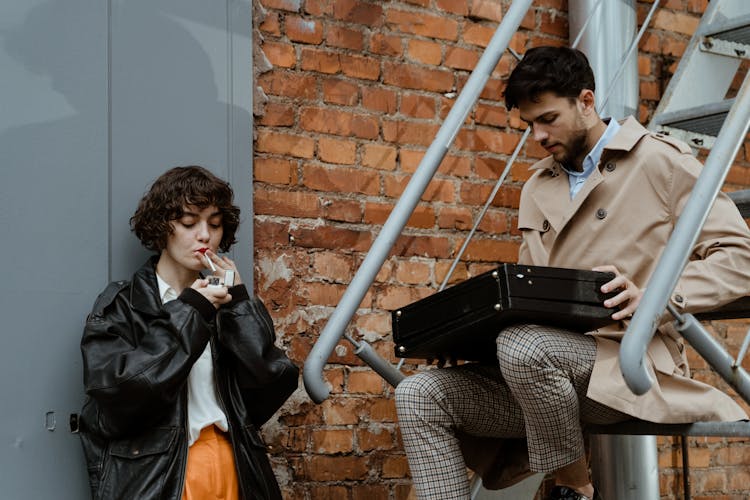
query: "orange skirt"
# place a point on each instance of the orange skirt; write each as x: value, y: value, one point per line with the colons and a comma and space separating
x: 211, y: 474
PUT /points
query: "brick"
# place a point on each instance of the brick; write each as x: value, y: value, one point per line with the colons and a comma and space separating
x: 425, y: 52
x: 325, y: 468
x: 333, y: 266
x: 342, y: 411
x: 343, y: 210
x: 679, y: 22
x: 374, y: 323
x: 333, y: 238
x: 303, y: 30
x: 367, y: 382
x: 277, y: 115
x: 413, y: 273
x: 287, y: 84
x: 319, y: 7
x: 362, y: 67
x: 377, y: 438
x: 370, y: 492
x: 270, y: 24
x: 395, y: 467
x: 336, y: 122
x: 486, y: 140
x: 387, y: 45
x: 422, y: 246
x: 377, y: 213
x: 275, y: 170
x: 377, y: 99
x: 280, y: 54
x: 286, y: 203
x: 494, y: 222
x: 420, y: 23
x: 336, y: 150
x: 355, y: 11
x: 284, y: 143
x: 644, y: 66
x: 332, y: 441
x: 269, y: 234
x: 322, y: 61
x: 486, y: 114
x: 459, y: 58
x: 455, y: 218
x: 460, y: 272
x: 413, y: 133
x: 410, y: 77
x: 455, y: 166
x: 490, y: 250
x: 345, y: 38
x: 340, y: 180
x: 417, y: 106
x: 379, y: 156
x: 554, y: 24
x: 486, y: 9
x: 288, y: 5
x: 437, y: 190
x: 341, y: 92
x: 477, y: 34
x: 458, y: 7
x: 328, y: 492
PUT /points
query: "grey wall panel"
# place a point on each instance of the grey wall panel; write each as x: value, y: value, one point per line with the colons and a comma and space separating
x: 96, y: 100
x: 53, y: 215
x: 172, y: 104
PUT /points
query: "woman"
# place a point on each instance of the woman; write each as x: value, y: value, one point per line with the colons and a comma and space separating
x: 179, y: 374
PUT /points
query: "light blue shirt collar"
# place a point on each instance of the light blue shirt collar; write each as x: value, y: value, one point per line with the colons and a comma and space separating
x: 576, y: 179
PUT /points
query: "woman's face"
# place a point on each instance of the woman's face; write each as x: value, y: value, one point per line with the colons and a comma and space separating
x: 197, y: 230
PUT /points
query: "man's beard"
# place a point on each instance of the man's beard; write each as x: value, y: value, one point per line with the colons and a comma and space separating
x: 574, y: 149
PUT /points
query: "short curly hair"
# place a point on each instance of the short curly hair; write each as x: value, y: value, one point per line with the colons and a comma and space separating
x: 561, y: 70
x: 171, y: 193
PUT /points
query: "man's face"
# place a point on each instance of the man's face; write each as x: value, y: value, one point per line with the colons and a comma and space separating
x: 558, y: 124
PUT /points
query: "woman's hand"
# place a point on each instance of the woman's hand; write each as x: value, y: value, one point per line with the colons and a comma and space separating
x: 217, y: 295
x: 628, y: 298
x: 222, y: 265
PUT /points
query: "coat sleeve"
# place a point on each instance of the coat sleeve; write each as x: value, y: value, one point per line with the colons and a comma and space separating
x: 135, y: 366
x: 718, y: 270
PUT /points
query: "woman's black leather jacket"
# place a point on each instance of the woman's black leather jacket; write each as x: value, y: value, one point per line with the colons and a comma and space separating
x: 137, y: 354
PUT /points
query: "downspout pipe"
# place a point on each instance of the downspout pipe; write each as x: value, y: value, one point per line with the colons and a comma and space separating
x: 312, y: 374
x: 623, y: 467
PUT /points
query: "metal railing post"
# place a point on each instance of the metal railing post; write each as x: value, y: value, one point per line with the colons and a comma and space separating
x: 681, y: 242
x: 365, y: 275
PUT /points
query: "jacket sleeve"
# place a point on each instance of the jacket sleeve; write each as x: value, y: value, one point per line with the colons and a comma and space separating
x: 718, y: 270
x: 134, y: 365
x: 264, y: 373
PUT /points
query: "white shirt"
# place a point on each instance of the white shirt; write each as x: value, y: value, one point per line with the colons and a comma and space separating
x: 576, y: 179
x: 203, y: 405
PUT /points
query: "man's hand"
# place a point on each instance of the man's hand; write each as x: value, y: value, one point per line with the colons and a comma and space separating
x: 628, y: 298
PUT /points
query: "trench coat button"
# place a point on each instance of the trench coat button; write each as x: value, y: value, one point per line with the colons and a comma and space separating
x: 545, y: 225
x: 610, y: 166
x: 601, y: 213
x: 679, y: 298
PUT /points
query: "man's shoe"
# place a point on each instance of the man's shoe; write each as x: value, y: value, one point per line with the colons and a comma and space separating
x: 565, y: 493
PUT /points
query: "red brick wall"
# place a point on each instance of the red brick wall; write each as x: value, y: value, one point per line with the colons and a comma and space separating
x: 350, y: 95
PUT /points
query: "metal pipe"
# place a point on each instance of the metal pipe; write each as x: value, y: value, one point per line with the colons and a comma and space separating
x: 680, y: 244
x: 705, y: 344
x: 316, y: 387
x: 382, y: 367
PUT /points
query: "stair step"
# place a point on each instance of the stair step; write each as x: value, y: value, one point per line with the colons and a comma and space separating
x: 736, y: 30
x: 705, y: 120
x: 742, y: 200
x: 644, y: 428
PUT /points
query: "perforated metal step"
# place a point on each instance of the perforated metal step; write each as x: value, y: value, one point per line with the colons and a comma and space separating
x: 706, y: 120
x: 736, y: 30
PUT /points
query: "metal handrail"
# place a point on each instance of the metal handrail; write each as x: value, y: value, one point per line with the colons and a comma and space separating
x: 316, y: 387
x: 675, y: 256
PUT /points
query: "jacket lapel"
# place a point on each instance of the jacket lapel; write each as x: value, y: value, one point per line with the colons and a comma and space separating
x: 144, y: 289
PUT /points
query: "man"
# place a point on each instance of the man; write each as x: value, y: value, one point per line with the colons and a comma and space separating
x: 606, y: 198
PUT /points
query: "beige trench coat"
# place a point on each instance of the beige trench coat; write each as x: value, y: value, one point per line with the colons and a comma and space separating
x: 623, y: 216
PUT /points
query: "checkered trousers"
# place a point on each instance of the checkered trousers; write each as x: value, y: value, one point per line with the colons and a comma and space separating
x: 537, y: 390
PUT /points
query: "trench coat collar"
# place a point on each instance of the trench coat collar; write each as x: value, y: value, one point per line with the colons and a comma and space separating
x: 144, y: 289
x: 552, y: 195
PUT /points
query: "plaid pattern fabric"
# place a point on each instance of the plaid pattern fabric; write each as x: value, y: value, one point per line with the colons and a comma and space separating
x: 538, y: 390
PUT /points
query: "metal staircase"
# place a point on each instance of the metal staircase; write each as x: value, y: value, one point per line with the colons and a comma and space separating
x: 695, y: 103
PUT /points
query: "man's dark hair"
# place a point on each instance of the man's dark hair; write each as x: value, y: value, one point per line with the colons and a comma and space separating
x: 170, y: 193
x: 561, y: 70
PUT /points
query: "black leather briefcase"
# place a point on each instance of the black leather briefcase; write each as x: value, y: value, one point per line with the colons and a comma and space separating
x: 462, y: 322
